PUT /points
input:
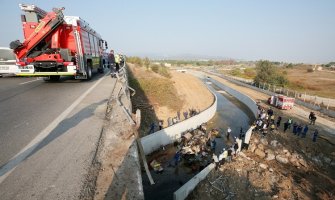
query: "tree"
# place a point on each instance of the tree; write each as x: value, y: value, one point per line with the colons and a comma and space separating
x: 266, y: 72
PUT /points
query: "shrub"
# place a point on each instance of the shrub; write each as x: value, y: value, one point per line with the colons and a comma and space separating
x: 146, y: 62
x: 236, y: 72
x: 289, y: 66
x: 164, y: 72
x: 310, y: 70
x: 249, y: 73
x: 155, y: 68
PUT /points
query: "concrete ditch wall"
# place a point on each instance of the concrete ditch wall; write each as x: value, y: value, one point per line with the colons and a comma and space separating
x: 172, y: 133
x: 249, y: 102
x: 188, y: 187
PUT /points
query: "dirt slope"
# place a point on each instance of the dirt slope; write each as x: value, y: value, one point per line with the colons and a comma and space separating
x: 159, y: 97
x: 192, y: 91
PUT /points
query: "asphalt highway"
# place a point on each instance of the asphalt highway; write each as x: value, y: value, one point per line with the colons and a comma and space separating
x: 48, y: 134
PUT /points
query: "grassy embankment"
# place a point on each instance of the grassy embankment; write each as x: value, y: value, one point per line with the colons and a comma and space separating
x: 154, y: 88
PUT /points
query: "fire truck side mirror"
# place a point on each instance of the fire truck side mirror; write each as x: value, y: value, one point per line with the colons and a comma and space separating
x: 23, y: 18
x: 106, y: 45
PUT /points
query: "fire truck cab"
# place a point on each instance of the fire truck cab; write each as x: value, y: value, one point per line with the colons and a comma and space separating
x: 56, y: 45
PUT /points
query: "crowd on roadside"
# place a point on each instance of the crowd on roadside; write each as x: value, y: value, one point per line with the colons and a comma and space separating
x: 268, y: 122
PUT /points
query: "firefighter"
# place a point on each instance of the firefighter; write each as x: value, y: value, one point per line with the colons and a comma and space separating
x: 122, y: 60
x: 117, y: 63
x: 111, y: 58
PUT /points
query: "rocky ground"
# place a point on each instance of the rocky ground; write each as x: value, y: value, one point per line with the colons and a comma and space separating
x: 278, y: 166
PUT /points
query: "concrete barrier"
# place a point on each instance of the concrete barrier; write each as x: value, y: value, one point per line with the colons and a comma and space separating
x: 188, y: 187
x: 172, y: 133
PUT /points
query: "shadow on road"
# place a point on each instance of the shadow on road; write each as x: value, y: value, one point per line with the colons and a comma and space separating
x: 58, y: 131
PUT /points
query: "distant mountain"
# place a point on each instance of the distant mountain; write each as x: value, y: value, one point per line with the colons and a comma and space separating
x: 185, y: 56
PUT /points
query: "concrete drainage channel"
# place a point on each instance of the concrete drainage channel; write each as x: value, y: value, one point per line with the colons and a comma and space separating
x: 154, y: 142
x: 124, y: 173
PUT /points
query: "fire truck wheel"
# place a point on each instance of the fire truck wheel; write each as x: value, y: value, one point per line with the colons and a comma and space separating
x: 89, y: 72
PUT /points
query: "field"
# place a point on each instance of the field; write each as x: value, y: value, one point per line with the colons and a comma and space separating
x: 319, y: 83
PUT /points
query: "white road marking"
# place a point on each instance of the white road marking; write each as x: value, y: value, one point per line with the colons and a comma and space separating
x: 29, y: 81
x: 9, y: 167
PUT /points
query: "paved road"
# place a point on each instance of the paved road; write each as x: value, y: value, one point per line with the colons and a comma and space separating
x: 48, y: 135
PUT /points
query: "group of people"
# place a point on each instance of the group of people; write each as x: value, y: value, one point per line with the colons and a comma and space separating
x: 266, y: 121
x: 227, y: 154
x: 173, y: 120
x: 115, y: 61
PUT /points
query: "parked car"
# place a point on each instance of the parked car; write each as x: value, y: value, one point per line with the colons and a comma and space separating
x: 7, y: 62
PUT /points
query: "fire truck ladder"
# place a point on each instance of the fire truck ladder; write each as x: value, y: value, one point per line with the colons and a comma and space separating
x: 32, y: 8
x: 79, y: 55
x: 44, y: 28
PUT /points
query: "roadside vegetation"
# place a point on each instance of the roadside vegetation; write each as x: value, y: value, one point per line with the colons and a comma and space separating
x: 157, y: 68
x: 266, y: 72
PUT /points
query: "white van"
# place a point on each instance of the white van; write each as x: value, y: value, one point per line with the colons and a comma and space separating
x: 7, y: 62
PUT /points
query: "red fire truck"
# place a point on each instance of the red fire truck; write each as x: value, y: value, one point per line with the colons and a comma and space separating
x: 281, y: 102
x: 56, y: 45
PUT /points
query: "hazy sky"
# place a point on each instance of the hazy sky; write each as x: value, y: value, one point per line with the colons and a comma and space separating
x: 281, y: 30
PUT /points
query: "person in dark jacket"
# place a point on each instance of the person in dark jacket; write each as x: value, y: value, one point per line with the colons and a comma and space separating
x: 230, y: 151
x: 304, y: 132
x: 312, y: 118
x: 285, y: 126
x: 299, y: 129
x: 235, y: 148
x: 278, y: 121
x: 295, y: 127
x: 315, y: 135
